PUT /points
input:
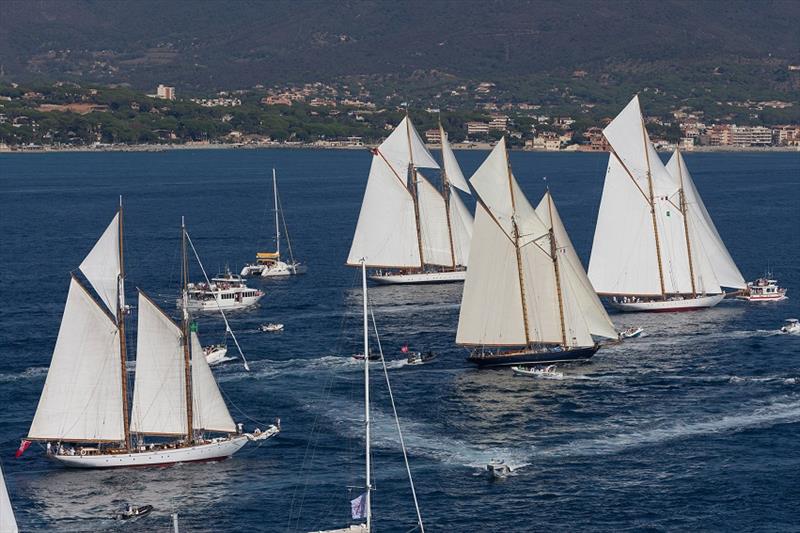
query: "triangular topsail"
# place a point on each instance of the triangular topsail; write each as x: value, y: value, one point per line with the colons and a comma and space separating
x: 450, y: 164
x: 102, y: 266
x: 403, y: 147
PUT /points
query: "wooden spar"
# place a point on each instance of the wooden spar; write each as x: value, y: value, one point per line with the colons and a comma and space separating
x: 519, y: 252
x: 412, y: 171
x: 653, y: 211
x: 446, y: 194
x: 554, y: 254
x: 123, y: 349
x: 686, y: 222
x: 187, y: 361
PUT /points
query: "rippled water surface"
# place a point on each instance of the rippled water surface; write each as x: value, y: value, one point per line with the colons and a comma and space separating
x: 694, y: 426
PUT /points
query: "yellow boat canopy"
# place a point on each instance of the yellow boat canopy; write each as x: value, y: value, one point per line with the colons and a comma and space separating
x: 267, y: 256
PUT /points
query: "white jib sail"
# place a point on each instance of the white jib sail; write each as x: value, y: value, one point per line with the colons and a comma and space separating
x: 8, y: 524
x: 399, y: 153
x: 102, y: 268
x: 209, y: 411
x: 451, y: 167
x: 386, y: 233
x: 433, y: 224
x: 461, y: 226
x: 703, y: 232
x: 82, y: 396
x: 159, y: 392
x: 582, y: 305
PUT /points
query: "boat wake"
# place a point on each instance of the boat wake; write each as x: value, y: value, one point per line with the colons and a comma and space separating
x: 268, y: 368
x: 33, y: 372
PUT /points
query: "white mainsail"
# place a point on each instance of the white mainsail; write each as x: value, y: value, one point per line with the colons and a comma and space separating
x: 82, y: 398
x: 433, y: 224
x: 631, y: 253
x: 703, y: 232
x: 102, y: 266
x: 8, y: 523
x: 159, y: 393
x: 209, y: 411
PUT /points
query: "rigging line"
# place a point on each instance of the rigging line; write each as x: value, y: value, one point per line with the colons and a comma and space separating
x: 396, y: 420
x: 285, y: 230
x: 216, y: 300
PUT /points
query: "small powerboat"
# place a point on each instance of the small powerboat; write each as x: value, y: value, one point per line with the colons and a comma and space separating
x: 271, y: 328
x: 548, y: 371
x: 215, y: 353
x: 631, y: 333
x: 792, y: 326
x: 134, y: 512
x: 498, y: 469
x: 763, y: 290
x: 419, y: 358
x: 372, y: 357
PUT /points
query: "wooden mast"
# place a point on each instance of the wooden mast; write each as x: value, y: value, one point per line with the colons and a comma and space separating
x: 554, y: 255
x: 123, y: 349
x: 518, y: 251
x: 653, y: 210
x: 412, y: 171
x: 187, y: 361
x: 446, y: 194
x: 686, y: 222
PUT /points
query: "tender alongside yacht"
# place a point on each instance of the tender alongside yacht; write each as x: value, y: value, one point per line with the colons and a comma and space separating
x: 226, y: 291
x: 763, y: 290
x: 655, y: 246
x: 408, y: 230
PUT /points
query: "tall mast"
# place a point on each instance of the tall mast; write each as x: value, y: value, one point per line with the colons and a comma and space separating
x: 368, y: 506
x: 554, y: 254
x: 277, y: 225
x: 446, y: 194
x: 653, y: 210
x: 123, y: 351
x: 412, y: 171
x: 518, y: 251
x: 187, y: 360
x: 686, y: 222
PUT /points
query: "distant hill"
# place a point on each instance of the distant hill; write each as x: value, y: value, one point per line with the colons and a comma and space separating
x: 203, y: 45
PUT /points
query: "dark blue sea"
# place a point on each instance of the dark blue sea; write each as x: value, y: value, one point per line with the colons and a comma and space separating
x: 695, y: 426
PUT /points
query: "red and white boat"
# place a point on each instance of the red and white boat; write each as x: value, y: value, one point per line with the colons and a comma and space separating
x: 763, y: 290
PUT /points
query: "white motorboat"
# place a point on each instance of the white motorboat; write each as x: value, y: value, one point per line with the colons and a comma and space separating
x: 792, y: 326
x: 132, y: 512
x: 410, y: 230
x: 655, y: 246
x: 498, y: 469
x: 763, y: 290
x: 226, y: 291
x: 548, y: 371
x: 215, y: 353
x: 269, y: 264
x: 419, y: 358
x: 631, y: 333
x: 176, y: 401
x: 271, y: 327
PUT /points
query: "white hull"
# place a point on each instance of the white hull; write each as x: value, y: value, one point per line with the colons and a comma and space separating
x: 664, y: 306
x: 205, y: 452
x: 282, y: 269
x: 771, y: 298
x: 224, y: 304
x: 216, y: 356
x: 421, y: 277
x: 252, y: 270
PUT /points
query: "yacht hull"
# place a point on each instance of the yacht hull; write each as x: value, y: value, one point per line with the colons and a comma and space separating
x: 532, y: 357
x: 419, y: 278
x: 669, y: 306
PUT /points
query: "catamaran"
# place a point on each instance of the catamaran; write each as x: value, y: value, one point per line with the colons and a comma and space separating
x: 8, y: 523
x: 655, y: 246
x: 178, y: 412
x: 269, y: 264
x: 527, y: 298
x: 362, y: 505
x: 409, y: 231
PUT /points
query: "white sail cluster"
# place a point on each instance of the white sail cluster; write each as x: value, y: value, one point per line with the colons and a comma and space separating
x: 632, y: 254
x: 8, y: 523
x: 511, y: 292
x: 406, y: 222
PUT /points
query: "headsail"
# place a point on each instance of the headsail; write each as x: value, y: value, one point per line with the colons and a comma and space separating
x: 8, y: 523
x: 102, y: 266
x: 433, y: 224
x: 403, y: 147
x: 81, y: 399
x: 209, y: 411
x: 451, y: 167
x: 461, y: 224
x: 159, y: 393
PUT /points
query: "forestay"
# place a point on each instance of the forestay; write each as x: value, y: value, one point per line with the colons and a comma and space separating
x: 102, y: 266
x: 209, y: 411
x: 8, y: 524
x: 159, y: 394
x: 82, y: 398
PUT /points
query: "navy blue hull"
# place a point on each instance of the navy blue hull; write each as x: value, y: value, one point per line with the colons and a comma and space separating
x: 528, y: 358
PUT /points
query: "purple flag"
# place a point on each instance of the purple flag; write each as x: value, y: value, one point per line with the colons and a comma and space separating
x: 359, y: 507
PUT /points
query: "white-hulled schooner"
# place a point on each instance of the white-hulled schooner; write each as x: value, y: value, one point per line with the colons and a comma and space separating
x: 655, y: 247
x: 8, y: 523
x: 177, y: 406
x: 408, y: 230
x: 527, y: 298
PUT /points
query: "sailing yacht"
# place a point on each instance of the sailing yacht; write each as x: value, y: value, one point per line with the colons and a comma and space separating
x: 526, y: 298
x: 8, y: 523
x: 362, y: 505
x: 269, y: 264
x: 178, y: 412
x: 655, y: 246
x: 408, y: 230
